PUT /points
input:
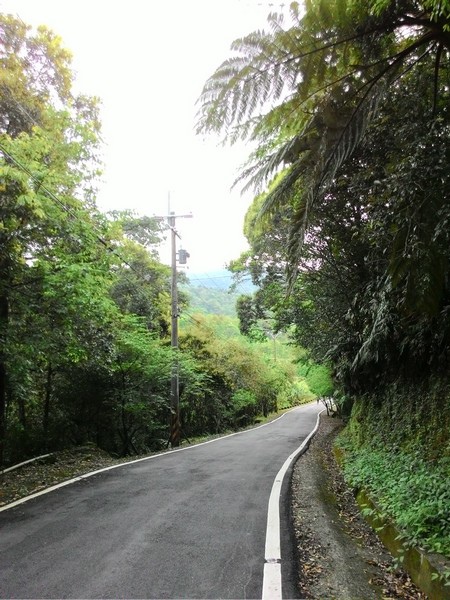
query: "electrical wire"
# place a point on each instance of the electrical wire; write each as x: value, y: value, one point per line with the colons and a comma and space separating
x: 74, y: 216
x: 63, y: 206
x: 206, y: 278
x: 42, y: 186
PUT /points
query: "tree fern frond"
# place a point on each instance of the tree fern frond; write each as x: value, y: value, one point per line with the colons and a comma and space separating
x: 235, y: 92
x: 350, y: 135
x: 267, y: 65
x: 244, y: 130
x: 258, y: 174
x: 255, y: 176
x: 299, y: 224
x: 252, y: 43
x: 282, y: 192
x: 366, y: 109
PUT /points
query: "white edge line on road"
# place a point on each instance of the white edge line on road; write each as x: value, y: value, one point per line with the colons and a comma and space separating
x: 131, y: 462
x: 272, y: 588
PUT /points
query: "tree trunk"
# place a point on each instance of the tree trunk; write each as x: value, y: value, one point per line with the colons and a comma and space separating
x: 22, y: 412
x: 4, y: 315
x: 47, y: 398
x: 125, y: 437
x: 97, y: 425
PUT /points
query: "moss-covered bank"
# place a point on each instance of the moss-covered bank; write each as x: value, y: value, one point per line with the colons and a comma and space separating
x: 397, y: 448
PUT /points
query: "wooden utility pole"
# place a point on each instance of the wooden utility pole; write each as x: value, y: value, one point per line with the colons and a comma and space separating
x: 175, y: 427
x: 174, y: 381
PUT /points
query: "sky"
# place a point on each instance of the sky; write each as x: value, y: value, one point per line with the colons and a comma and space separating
x: 147, y: 60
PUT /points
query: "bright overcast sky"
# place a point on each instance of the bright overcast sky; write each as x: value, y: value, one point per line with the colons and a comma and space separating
x: 148, y: 60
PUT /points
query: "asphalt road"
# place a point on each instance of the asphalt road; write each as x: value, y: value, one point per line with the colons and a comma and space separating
x: 187, y: 524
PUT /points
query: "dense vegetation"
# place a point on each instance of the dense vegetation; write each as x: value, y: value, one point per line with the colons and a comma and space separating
x: 85, y: 353
x: 348, y: 105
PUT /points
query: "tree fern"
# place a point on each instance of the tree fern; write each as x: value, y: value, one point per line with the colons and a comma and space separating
x: 307, y: 90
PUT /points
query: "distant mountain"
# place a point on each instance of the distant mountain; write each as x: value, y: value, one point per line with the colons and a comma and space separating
x: 210, y: 292
x: 221, y: 279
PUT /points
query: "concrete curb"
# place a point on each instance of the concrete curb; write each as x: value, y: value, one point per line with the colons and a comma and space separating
x: 426, y: 570
x: 272, y: 573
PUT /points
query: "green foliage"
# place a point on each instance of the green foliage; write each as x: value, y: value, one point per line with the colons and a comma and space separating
x: 243, y: 380
x: 142, y: 286
x: 295, y: 394
x: 244, y: 407
x: 372, y: 295
x: 85, y: 355
x: 412, y: 491
x: 70, y: 310
x: 318, y: 378
x: 249, y: 315
x: 48, y: 281
x: 307, y: 91
x: 347, y: 104
x: 397, y: 447
x: 143, y: 230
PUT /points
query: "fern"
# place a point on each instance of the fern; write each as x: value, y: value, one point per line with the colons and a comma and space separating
x: 307, y: 90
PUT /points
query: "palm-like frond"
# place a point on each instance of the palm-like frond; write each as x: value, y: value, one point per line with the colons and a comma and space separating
x: 260, y: 172
x: 307, y: 93
x: 242, y: 85
x: 282, y: 193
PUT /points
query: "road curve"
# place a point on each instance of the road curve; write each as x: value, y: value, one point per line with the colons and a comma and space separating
x: 187, y: 524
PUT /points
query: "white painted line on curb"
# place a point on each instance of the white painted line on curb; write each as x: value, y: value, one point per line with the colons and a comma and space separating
x: 124, y: 464
x: 272, y: 587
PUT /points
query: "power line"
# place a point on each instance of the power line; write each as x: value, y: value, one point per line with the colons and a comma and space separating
x: 74, y: 216
x: 192, y: 318
x: 99, y: 238
x: 63, y: 206
x: 51, y: 195
x: 42, y: 186
x: 206, y: 278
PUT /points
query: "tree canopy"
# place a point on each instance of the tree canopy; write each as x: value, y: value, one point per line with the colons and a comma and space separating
x: 305, y: 92
x: 347, y: 107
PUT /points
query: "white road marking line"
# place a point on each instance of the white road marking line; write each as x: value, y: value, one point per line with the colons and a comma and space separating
x: 131, y: 462
x: 272, y: 587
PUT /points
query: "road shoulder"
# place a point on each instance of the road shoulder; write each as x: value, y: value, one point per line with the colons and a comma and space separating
x: 339, y: 556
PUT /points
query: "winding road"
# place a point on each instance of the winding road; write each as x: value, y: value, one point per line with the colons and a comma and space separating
x: 184, y: 524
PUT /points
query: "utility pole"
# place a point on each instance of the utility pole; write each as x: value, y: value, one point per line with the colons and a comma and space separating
x: 174, y: 379
x: 175, y: 429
